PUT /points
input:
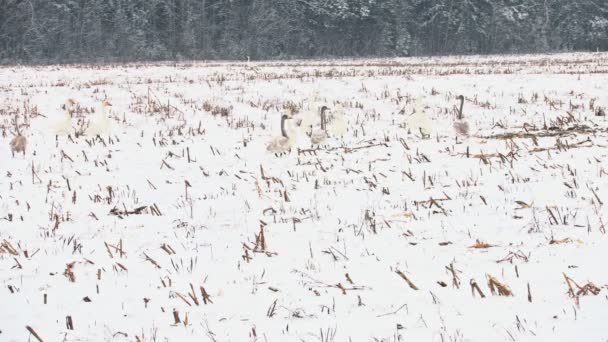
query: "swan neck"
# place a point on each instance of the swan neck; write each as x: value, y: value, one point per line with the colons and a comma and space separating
x: 323, y: 120
x: 461, y: 105
x: 283, y: 132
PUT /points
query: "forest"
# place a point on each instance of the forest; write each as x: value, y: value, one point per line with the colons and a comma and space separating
x: 68, y: 31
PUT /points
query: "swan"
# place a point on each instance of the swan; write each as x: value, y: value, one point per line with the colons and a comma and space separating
x: 100, y: 124
x: 315, y: 103
x: 311, y: 116
x: 337, y: 125
x: 283, y: 143
x: 307, y: 120
x: 461, y: 126
x: 63, y: 126
x: 70, y: 105
x: 19, y: 142
x: 420, y: 121
x: 319, y: 135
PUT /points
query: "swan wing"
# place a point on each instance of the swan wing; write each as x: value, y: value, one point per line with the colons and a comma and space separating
x: 461, y: 127
x: 277, y: 145
x: 318, y: 136
x: 62, y: 126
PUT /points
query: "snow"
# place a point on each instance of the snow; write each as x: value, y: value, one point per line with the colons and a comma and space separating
x: 340, y: 221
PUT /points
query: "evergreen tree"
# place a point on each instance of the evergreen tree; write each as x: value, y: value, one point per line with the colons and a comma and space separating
x: 126, y: 30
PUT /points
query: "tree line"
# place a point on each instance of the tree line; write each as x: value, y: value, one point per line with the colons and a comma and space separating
x: 51, y: 31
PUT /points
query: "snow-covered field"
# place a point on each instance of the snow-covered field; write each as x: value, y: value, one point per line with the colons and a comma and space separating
x: 179, y: 225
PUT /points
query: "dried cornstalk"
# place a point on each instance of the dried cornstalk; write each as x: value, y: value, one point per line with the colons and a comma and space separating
x: 559, y: 242
x: 481, y: 244
x: 272, y: 309
x: 183, y: 298
x: 205, y: 295
x: 498, y: 287
x: 176, y: 319
x: 584, y: 290
x: 341, y: 287
x: 6, y: 246
x: 475, y: 287
x: 260, y: 241
x: 192, y: 295
x: 167, y: 248
x: 34, y: 333
x: 455, y: 278
x: 152, y: 261
x: 409, y: 282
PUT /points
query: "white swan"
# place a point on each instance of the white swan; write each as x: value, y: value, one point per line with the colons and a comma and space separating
x: 420, y: 121
x: 63, y: 126
x: 100, y: 124
x: 70, y: 106
x: 336, y: 124
x: 306, y: 120
x: 283, y: 143
x: 461, y: 126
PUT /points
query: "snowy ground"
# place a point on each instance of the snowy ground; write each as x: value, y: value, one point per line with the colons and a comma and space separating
x: 180, y: 226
